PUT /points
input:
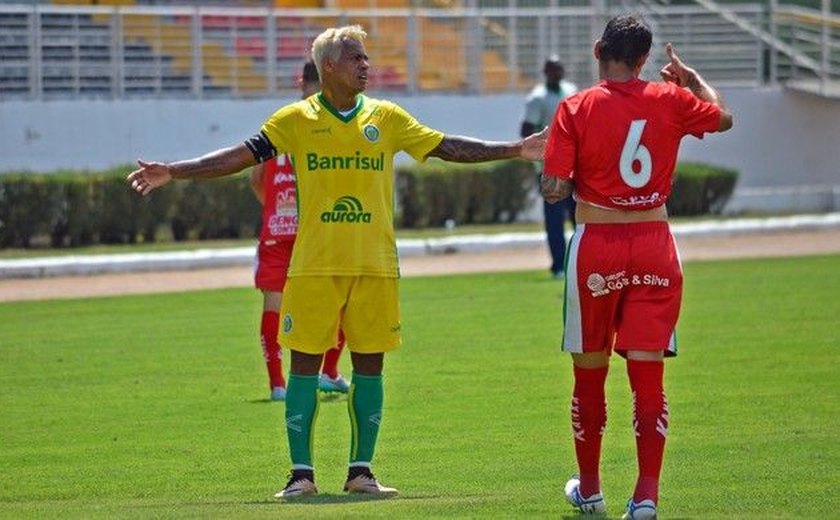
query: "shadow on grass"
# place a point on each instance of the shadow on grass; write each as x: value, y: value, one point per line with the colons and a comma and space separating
x: 323, y: 499
x: 578, y: 516
x: 333, y: 397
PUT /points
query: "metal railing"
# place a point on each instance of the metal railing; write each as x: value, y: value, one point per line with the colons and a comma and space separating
x: 816, y: 35
x: 50, y: 51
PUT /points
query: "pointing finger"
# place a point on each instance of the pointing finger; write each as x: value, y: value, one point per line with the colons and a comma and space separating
x: 667, y: 75
x: 672, y: 54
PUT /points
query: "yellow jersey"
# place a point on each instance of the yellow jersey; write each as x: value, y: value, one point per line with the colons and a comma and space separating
x: 345, y: 181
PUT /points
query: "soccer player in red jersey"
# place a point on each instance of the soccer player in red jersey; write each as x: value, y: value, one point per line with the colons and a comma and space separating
x: 274, y: 181
x: 615, y: 146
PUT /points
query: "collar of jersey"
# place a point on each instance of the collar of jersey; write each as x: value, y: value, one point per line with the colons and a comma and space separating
x: 331, y: 109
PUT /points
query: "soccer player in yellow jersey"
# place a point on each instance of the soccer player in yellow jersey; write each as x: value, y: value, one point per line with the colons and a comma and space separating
x: 344, y: 270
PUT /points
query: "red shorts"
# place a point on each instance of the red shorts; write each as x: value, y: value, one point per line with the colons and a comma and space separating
x: 623, y: 288
x: 272, y: 263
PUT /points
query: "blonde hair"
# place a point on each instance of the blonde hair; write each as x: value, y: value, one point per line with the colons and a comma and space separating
x: 328, y: 44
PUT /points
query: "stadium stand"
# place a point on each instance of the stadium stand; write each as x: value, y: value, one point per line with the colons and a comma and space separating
x: 123, y: 48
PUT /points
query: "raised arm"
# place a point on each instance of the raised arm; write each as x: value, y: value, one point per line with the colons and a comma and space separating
x: 225, y: 161
x: 678, y: 72
x: 457, y: 148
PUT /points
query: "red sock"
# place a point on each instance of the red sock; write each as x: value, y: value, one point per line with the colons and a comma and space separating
x: 589, y: 418
x: 650, y: 421
x: 271, y: 349
x: 332, y: 355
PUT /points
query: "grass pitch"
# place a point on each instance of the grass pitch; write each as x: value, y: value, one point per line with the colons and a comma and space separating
x: 155, y: 406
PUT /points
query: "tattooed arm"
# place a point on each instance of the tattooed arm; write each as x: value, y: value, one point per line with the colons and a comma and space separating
x: 677, y: 72
x: 225, y: 161
x: 214, y: 164
x: 554, y: 189
x: 464, y: 149
x: 457, y: 148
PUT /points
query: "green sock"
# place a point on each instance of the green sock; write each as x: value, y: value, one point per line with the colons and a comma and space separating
x: 365, y: 407
x: 301, y: 411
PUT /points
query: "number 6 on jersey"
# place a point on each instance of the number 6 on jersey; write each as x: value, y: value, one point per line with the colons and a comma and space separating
x: 635, y: 151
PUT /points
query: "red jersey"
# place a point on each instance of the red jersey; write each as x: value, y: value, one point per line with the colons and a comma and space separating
x: 618, y: 141
x: 280, y: 218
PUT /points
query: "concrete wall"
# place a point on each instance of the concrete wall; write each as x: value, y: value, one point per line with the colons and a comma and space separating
x: 780, y: 139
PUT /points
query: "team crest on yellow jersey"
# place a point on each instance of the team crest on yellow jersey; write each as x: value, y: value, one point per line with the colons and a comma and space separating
x: 371, y: 132
x: 287, y: 323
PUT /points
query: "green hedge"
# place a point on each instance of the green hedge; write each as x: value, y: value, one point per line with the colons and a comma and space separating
x: 73, y: 208
x: 701, y: 189
x: 220, y: 208
x: 82, y: 208
x: 433, y: 192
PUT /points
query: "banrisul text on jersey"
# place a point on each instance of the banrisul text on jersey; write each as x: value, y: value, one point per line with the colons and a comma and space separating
x: 356, y: 161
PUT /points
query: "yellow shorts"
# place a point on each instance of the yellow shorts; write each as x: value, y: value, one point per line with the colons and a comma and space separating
x: 367, y: 308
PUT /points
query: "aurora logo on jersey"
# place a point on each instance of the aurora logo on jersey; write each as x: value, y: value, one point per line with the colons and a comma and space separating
x: 357, y: 161
x: 347, y: 209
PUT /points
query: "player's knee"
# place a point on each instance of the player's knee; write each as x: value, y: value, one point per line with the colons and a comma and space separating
x: 646, y: 355
x: 306, y: 364
x: 367, y: 364
x: 591, y: 359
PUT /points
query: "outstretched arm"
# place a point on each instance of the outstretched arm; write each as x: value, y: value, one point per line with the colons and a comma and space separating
x: 457, y: 148
x: 678, y: 72
x: 225, y: 161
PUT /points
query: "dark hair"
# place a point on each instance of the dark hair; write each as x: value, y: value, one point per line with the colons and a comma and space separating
x: 626, y: 39
x: 553, y: 61
x: 310, y: 72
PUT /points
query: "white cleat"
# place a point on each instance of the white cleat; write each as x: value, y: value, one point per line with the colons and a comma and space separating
x: 592, y: 505
x: 278, y: 393
x: 297, y: 488
x: 369, y: 485
x: 644, y: 510
x: 328, y: 384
